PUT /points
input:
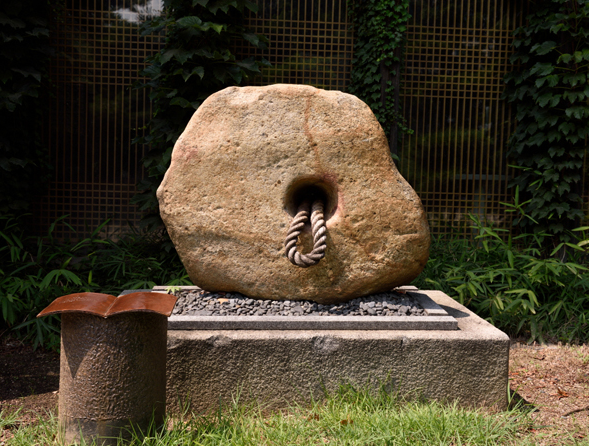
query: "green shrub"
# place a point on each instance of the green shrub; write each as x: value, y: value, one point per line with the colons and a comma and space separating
x: 198, y: 58
x: 506, y: 279
x: 36, y: 270
x: 509, y: 281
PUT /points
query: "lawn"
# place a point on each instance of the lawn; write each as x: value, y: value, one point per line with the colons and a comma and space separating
x: 551, y: 406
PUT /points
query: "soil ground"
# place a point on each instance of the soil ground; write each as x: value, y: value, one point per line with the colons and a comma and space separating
x: 553, y: 380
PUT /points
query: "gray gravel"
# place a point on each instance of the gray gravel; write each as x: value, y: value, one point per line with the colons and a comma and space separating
x: 204, y: 303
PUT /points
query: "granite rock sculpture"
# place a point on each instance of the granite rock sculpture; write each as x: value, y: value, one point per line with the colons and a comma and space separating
x: 245, y: 162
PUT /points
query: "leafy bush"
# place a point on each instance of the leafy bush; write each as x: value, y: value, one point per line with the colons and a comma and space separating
x: 509, y: 281
x: 506, y: 279
x: 36, y: 270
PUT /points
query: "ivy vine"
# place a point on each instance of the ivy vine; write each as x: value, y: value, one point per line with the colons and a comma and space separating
x: 379, y: 28
x: 551, y: 94
x: 24, y: 54
x: 197, y: 59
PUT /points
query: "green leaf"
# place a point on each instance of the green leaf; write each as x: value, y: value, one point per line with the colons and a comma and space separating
x: 554, y: 101
x: 200, y: 71
x: 252, y: 6
x: 190, y: 21
x: 29, y: 72
x: 182, y: 56
x: 36, y: 32
x: 543, y: 48
x: 164, y: 57
x: 578, y: 111
x: 566, y: 127
x: 248, y: 64
x: 556, y: 28
x: 556, y: 151
x: 574, y: 138
x: 13, y: 23
x: 563, y: 187
x: 72, y: 277
x: 572, y: 95
x: 180, y: 102
x: 543, y: 100
x: 574, y: 79
x: 252, y: 38
x: 217, y: 27
x: 540, y: 81
x: 542, y: 69
x: 553, y: 135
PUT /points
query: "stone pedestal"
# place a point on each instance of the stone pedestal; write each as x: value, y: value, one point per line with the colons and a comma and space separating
x: 280, y: 367
x: 113, y: 375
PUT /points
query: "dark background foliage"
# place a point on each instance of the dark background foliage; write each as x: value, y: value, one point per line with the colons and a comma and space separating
x: 24, y: 54
x: 549, y: 89
x: 379, y: 27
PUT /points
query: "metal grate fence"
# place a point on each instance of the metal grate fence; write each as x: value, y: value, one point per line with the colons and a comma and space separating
x: 310, y: 42
x: 456, y: 57
x: 457, y: 53
x: 95, y: 114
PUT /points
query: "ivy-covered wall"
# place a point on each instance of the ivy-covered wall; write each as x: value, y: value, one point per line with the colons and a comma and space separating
x: 379, y: 27
x: 550, y: 91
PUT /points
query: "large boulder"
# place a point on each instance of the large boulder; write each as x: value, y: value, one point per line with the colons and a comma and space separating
x: 246, y: 160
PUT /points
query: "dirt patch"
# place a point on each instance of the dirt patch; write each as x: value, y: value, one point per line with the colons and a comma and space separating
x: 553, y: 379
x: 29, y: 382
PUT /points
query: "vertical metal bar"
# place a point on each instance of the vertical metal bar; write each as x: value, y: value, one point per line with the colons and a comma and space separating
x: 427, y: 131
x: 471, y: 184
x: 487, y: 122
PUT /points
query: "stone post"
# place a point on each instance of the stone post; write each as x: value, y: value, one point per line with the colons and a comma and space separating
x: 113, y: 375
x: 113, y: 364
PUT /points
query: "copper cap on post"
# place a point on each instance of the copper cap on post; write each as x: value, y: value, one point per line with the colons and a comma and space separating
x: 106, y: 305
x: 112, y: 369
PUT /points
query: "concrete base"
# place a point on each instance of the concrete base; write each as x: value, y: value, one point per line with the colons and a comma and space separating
x: 279, y: 367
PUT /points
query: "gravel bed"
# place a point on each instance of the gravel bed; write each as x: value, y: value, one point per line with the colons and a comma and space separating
x: 204, y: 303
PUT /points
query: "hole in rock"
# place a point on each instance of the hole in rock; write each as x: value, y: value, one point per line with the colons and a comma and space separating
x: 311, y: 188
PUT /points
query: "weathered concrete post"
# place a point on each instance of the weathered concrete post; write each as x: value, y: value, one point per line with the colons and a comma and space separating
x: 112, y: 374
x: 113, y: 364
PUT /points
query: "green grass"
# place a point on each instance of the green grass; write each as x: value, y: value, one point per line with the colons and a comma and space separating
x: 42, y: 432
x: 349, y: 417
